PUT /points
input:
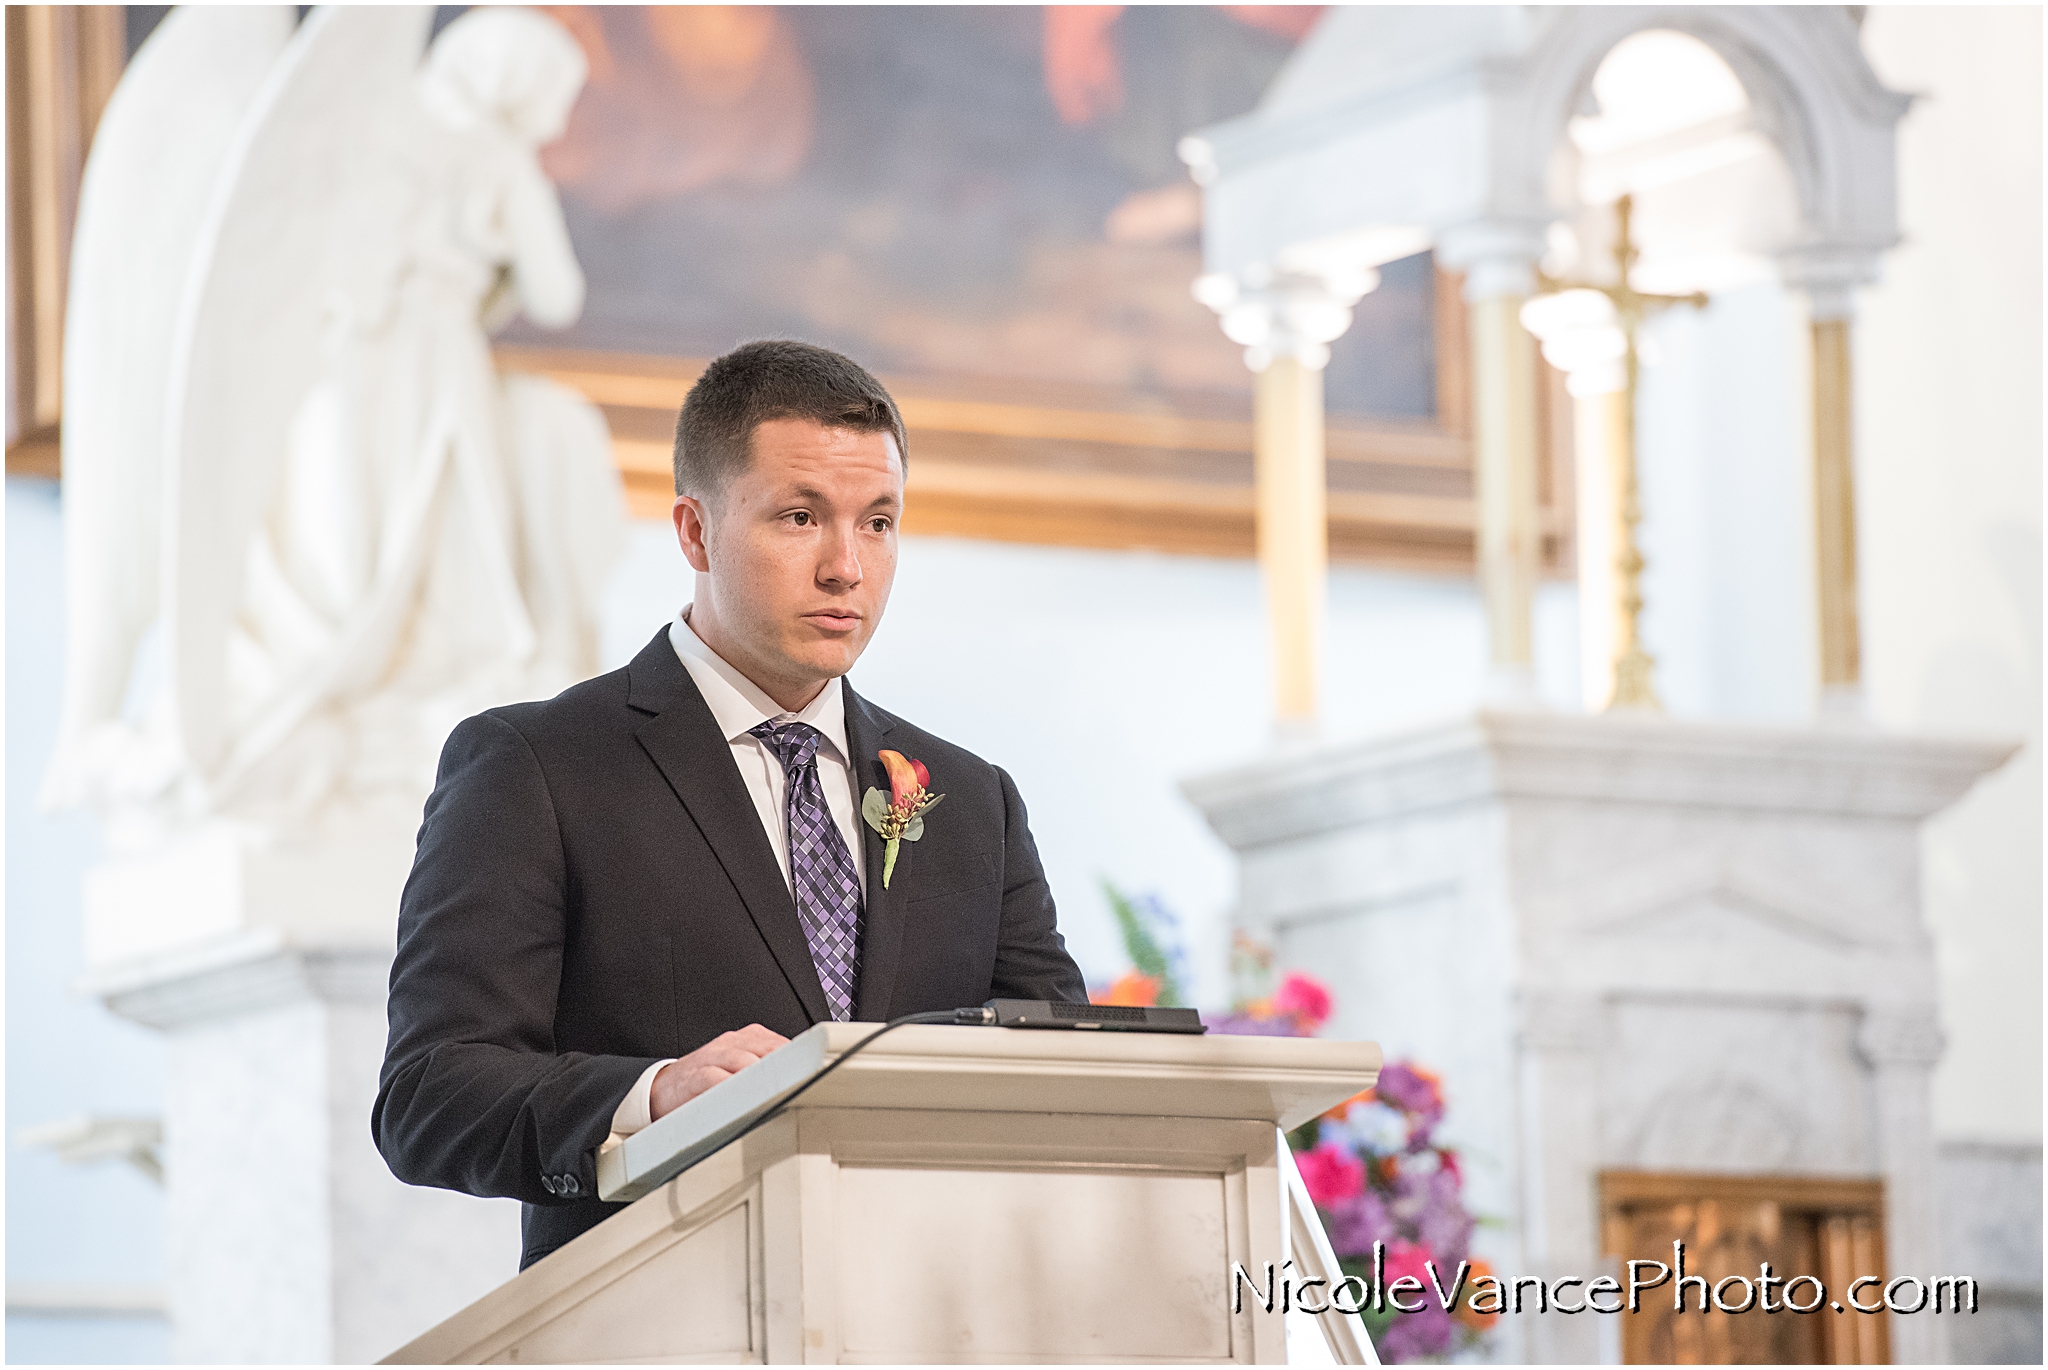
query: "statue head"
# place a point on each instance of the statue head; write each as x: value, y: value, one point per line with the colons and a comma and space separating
x: 516, y: 70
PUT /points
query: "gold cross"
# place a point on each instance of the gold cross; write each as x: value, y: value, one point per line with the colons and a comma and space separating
x: 1634, y: 668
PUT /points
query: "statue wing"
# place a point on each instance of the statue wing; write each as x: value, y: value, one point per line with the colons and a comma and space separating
x: 156, y: 160
x: 311, y: 211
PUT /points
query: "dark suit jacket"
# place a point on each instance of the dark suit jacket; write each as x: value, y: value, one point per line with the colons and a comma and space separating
x: 593, y: 891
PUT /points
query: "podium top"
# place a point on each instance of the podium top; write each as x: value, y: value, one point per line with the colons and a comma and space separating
x: 1280, y: 1080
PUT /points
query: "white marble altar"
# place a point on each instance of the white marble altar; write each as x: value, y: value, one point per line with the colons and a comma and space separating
x: 1627, y: 942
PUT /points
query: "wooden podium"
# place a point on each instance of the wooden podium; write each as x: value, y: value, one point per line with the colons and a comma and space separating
x: 954, y: 1194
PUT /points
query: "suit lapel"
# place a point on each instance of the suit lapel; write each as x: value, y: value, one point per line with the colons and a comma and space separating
x: 684, y: 741
x: 882, y: 936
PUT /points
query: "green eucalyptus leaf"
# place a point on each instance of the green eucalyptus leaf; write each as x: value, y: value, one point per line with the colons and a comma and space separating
x: 874, y: 807
x: 931, y: 802
x: 1142, y: 944
x: 914, y: 829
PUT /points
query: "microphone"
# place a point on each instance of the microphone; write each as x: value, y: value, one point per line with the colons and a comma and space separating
x: 1042, y: 1013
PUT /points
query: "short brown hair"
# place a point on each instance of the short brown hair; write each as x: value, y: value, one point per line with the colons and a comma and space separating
x: 776, y: 379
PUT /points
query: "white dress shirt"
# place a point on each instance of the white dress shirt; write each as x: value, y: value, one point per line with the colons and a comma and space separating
x: 739, y: 706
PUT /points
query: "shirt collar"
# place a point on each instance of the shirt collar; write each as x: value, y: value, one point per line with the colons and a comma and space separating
x: 739, y: 705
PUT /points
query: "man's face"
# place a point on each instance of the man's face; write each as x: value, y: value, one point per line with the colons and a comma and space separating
x: 796, y: 556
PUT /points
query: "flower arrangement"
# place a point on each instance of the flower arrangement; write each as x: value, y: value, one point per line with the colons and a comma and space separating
x: 1373, y: 1166
x: 1378, y: 1175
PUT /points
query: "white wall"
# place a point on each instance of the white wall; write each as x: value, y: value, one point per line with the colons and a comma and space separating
x: 1730, y: 610
x: 1948, y: 432
x: 1101, y: 679
x: 101, y: 1224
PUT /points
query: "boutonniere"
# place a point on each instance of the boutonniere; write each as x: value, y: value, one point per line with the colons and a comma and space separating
x: 899, y: 815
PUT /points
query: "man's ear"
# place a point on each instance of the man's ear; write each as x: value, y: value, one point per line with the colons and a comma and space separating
x: 693, y: 520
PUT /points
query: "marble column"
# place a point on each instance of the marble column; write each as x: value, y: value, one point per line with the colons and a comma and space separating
x: 1582, y: 336
x: 1293, y: 529
x: 1902, y: 1046
x: 1286, y: 323
x: 1499, y: 264
x: 264, y: 964
x: 1607, y: 595
x: 1829, y: 280
x: 1559, y: 1038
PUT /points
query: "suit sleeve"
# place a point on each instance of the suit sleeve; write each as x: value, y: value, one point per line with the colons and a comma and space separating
x: 473, y: 1095
x: 1031, y: 956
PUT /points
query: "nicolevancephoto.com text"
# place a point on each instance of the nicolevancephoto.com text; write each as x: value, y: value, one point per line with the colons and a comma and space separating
x: 1488, y: 1294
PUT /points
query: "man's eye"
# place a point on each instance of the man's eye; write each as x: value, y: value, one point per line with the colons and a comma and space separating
x: 880, y: 525
x: 801, y: 518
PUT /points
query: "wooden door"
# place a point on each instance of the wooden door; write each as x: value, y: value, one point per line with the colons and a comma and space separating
x: 1805, y: 1229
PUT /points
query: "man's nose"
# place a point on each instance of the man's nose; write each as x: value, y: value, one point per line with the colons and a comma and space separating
x: 839, y: 566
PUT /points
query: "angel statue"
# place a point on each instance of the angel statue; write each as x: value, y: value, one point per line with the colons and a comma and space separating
x: 309, y: 526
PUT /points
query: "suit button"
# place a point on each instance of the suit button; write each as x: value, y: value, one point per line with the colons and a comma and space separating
x: 571, y: 1186
x: 547, y: 1182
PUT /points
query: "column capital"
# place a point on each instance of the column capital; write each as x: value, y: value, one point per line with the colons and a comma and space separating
x: 1828, y: 275
x: 1498, y: 256
x: 1275, y: 314
x: 1581, y: 336
x: 243, y: 975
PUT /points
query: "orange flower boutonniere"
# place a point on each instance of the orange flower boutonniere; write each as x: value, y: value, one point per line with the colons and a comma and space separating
x: 899, y: 815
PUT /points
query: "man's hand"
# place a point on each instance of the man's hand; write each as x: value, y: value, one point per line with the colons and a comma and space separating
x: 684, y: 1078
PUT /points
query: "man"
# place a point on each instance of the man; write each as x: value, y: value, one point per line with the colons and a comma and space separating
x: 625, y: 894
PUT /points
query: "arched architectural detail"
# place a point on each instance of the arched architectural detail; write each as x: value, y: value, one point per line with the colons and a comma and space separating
x: 1386, y: 118
x: 1810, y: 89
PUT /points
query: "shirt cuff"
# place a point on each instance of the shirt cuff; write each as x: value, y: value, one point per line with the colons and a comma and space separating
x: 635, y: 1111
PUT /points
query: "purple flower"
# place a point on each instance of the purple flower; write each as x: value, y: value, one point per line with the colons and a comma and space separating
x: 1401, y: 1086
x: 1428, y: 1332
x: 1415, y: 1094
x: 1446, y: 1229
x: 1411, y: 1195
x: 1426, y: 1207
x: 1357, y: 1223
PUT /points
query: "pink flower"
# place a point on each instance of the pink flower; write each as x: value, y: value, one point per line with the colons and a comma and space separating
x: 1304, y: 999
x: 1331, y: 1175
x: 1406, y: 1258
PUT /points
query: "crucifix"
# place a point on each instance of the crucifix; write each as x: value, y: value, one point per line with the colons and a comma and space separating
x: 1634, y: 686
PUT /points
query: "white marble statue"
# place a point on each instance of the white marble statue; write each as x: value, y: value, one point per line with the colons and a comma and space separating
x: 309, y: 524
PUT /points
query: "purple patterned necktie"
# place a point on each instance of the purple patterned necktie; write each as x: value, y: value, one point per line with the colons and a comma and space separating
x: 821, y: 870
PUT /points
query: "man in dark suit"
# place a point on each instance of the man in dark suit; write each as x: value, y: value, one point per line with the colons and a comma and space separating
x: 626, y: 893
